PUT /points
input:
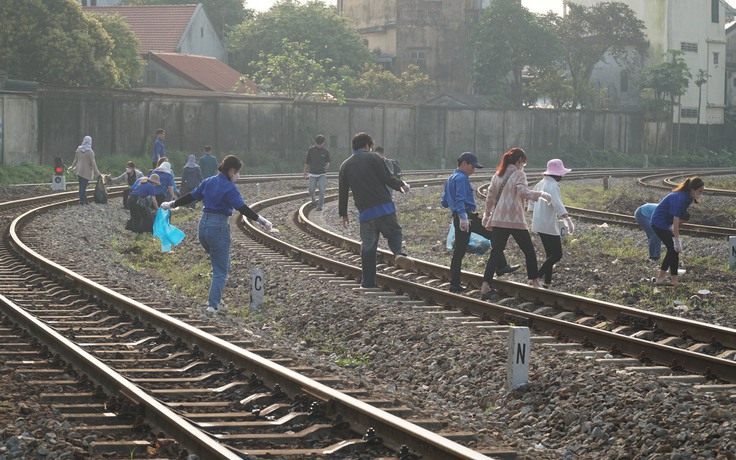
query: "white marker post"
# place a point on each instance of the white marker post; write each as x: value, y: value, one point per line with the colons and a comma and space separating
x: 732, y: 246
x: 256, y: 289
x: 517, y: 368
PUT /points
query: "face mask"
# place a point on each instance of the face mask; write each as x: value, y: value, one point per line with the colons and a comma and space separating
x: 698, y: 198
x: 129, y: 170
x: 235, y: 177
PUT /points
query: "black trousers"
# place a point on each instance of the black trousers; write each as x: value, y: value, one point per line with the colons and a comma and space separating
x: 553, y: 249
x: 671, y: 260
x: 462, y: 239
x: 500, y: 236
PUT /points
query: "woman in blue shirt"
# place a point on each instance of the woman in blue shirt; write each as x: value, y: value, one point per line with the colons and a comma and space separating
x: 220, y: 196
x: 669, y: 213
x: 142, y: 201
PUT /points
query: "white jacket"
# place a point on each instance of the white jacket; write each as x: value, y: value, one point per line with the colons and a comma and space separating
x: 546, y: 217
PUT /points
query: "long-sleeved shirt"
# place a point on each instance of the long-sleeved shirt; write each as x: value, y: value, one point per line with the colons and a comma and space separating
x: 84, y: 164
x: 458, y: 194
x: 366, y: 174
x: 546, y: 217
x: 131, y: 178
x: 508, y: 208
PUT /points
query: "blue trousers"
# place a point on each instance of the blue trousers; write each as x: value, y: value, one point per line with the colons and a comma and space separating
x: 655, y: 244
x: 214, y: 236
x: 319, y: 183
x: 370, y: 230
x: 82, y: 189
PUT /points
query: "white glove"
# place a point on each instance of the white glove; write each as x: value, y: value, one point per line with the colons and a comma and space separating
x: 266, y: 224
x: 465, y: 225
x: 568, y: 224
x: 678, y: 245
x: 486, y: 221
x: 546, y: 197
x: 405, y: 188
x: 167, y: 205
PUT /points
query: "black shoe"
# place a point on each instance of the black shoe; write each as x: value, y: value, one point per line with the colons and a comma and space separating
x: 487, y: 296
x: 456, y: 288
x: 507, y: 269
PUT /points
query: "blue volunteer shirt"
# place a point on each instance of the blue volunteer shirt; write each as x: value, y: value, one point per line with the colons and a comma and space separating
x: 158, y: 149
x: 673, y: 205
x: 376, y: 211
x: 219, y: 194
x: 458, y: 194
x: 143, y: 189
x: 167, y: 180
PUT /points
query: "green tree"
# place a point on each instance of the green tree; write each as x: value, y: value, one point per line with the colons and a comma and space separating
x: 662, y: 85
x: 295, y: 73
x: 374, y: 82
x: 589, y: 34
x: 508, y: 39
x: 223, y: 14
x: 53, y: 42
x: 125, y: 49
x: 329, y: 39
x: 554, y: 84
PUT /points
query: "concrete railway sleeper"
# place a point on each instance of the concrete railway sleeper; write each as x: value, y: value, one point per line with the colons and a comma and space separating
x: 208, y: 392
x: 682, y: 346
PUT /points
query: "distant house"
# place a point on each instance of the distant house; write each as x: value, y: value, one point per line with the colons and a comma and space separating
x: 183, y: 29
x: 695, y: 28
x: 171, y: 70
x: 98, y: 2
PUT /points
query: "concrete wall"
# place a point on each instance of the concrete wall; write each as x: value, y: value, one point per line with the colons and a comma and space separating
x: 38, y: 128
x: 18, y: 128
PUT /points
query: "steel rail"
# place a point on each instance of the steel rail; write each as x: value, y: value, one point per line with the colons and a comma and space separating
x: 362, y: 416
x: 695, y: 362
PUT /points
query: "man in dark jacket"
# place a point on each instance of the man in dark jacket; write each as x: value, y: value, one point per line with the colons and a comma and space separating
x: 366, y: 174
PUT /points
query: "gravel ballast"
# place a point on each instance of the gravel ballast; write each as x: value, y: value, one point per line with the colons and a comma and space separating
x: 573, y: 407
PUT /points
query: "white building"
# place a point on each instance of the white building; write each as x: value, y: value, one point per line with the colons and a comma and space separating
x: 695, y: 27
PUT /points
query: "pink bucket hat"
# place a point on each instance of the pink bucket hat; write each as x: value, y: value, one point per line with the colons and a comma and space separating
x: 556, y: 168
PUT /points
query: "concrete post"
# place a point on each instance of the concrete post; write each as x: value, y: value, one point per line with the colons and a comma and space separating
x: 517, y: 367
x: 256, y: 289
x: 732, y: 247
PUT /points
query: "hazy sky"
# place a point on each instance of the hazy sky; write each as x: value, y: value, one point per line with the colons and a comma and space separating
x: 538, y: 6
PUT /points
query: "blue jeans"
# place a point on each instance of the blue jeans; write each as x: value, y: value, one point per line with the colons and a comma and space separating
x: 655, y: 244
x: 214, y: 236
x: 82, y: 189
x: 315, y: 182
x: 370, y: 230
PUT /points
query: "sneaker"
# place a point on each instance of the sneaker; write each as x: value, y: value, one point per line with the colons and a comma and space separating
x: 403, y: 261
x: 222, y: 308
x: 507, y: 269
x: 457, y: 288
x: 317, y: 209
x: 210, y: 310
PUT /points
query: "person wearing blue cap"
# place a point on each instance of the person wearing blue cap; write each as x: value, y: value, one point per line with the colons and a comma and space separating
x: 459, y: 197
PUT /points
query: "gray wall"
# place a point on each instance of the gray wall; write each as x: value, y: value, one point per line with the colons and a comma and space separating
x: 124, y: 122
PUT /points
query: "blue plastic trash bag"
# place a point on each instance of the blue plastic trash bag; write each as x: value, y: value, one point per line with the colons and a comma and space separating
x: 477, y: 245
x: 164, y: 231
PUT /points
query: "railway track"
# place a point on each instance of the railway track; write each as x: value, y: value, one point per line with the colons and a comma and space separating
x: 689, y: 350
x: 209, y: 392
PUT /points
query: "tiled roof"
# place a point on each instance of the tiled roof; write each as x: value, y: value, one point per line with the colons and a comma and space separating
x: 158, y: 27
x: 204, y: 70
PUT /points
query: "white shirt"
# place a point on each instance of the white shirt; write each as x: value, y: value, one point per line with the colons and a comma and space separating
x: 546, y: 218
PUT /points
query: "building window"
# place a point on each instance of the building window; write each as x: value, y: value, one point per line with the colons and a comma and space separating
x: 688, y: 113
x: 689, y: 46
x: 201, y: 32
x: 716, y: 58
x: 715, y: 6
x: 418, y: 57
x: 624, y: 82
